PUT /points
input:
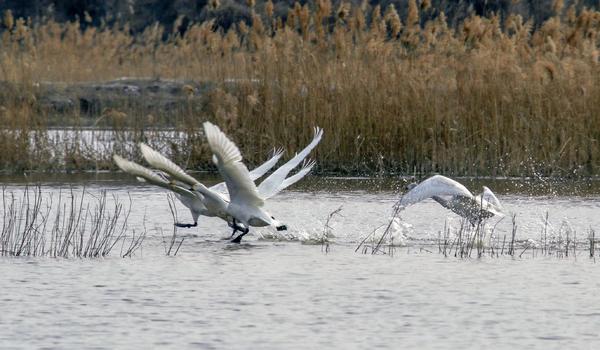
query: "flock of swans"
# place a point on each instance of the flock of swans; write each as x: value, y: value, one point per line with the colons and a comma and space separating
x: 239, y: 201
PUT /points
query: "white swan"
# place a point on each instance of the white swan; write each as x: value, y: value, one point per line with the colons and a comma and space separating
x: 200, y: 200
x: 196, y: 203
x: 454, y: 196
x: 203, y: 200
x: 246, y: 201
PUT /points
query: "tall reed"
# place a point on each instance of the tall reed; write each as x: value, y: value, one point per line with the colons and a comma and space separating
x: 491, y: 96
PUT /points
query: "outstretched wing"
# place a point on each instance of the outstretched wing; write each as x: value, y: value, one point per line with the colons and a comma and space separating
x: 240, y: 186
x: 488, y: 202
x: 161, y: 162
x: 306, y: 168
x: 436, y: 185
x: 273, y: 184
x: 149, y: 176
x: 488, y: 196
x: 254, y: 174
x: 258, y: 172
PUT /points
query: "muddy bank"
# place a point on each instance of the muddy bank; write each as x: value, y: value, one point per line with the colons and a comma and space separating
x: 91, y: 98
x: 152, y: 101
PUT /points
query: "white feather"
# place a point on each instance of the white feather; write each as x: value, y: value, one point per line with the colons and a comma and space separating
x: 274, y: 183
x: 240, y: 186
x: 254, y: 174
x: 489, y: 196
x: 306, y: 168
x: 148, y: 175
x: 161, y: 162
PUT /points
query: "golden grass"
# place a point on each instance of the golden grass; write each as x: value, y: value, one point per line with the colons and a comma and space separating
x: 491, y: 97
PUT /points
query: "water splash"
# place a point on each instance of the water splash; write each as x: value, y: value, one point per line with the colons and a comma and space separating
x: 398, y: 234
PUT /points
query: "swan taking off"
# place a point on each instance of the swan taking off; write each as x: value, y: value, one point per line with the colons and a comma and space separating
x: 454, y: 196
x: 198, y: 197
x: 247, y: 200
x: 213, y: 201
x: 197, y: 203
x: 273, y: 184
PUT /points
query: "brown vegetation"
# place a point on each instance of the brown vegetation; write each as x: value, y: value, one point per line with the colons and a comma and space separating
x: 492, y: 97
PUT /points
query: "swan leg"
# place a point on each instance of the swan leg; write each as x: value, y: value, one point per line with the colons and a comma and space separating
x: 235, y: 229
x: 234, y: 226
x: 178, y: 224
x: 238, y: 239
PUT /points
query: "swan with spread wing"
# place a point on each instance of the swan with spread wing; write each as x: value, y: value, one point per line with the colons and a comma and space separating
x: 454, y: 196
x: 246, y: 199
x: 198, y: 204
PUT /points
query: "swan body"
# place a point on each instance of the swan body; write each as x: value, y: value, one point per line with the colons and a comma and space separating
x: 246, y: 199
x: 455, y: 197
x: 245, y: 203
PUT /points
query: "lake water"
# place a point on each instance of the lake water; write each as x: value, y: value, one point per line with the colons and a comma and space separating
x: 276, y: 291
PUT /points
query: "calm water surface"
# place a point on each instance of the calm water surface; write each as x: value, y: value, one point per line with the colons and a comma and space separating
x: 281, y: 293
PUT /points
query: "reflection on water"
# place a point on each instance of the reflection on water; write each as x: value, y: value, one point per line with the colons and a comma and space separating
x: 281, y: 294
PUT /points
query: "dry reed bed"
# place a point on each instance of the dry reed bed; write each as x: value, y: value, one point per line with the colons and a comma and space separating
x: 490, y: 97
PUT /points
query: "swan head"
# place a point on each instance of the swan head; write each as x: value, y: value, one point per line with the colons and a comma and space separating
x: 278, y: 225
x: 267, y: 220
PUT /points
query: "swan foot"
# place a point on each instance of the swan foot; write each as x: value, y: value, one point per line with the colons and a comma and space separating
x: 178, y: 224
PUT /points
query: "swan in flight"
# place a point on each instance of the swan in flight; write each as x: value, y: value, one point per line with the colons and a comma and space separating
x: 246, y: 199
x: 454, y: 196
x: 195, y: 202
x: 200, y: 199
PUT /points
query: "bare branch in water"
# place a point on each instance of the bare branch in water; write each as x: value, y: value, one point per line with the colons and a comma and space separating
x: 171, y: 244
x: 71, y: 228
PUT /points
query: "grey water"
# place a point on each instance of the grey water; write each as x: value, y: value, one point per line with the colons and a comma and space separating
x: 283, y: 291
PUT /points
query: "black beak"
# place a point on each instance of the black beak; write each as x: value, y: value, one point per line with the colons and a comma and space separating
x: 281, y: 228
